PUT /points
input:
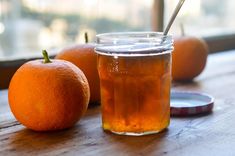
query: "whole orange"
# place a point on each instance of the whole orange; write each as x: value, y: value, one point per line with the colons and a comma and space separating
x: 49, y: 95
x: 84, y: 57
x: 188, y: 58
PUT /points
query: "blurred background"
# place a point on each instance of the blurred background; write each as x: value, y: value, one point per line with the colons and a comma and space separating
x: 27, y: 26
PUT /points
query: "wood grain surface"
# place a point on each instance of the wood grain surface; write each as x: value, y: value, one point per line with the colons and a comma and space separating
x: 203, y: 135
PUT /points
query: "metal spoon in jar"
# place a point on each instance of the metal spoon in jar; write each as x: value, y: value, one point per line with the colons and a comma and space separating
x: 176, y: 11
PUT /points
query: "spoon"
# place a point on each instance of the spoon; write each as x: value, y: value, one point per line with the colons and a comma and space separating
x: 176, y: 11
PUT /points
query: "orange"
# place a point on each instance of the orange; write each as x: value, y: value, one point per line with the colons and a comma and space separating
x: 50, y: 95
x: 84, y: 57
x: 188, y: 58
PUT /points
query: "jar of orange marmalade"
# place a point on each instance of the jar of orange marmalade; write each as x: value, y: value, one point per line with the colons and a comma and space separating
x: 135, y: 78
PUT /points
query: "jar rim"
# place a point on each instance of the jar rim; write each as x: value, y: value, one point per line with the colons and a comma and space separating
x: 133, y: 43
x: 136, y: 33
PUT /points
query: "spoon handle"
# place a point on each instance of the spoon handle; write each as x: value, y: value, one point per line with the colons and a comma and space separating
x: 176, y: 11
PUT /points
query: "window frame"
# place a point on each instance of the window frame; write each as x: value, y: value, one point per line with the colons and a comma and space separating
x: 217, y: 43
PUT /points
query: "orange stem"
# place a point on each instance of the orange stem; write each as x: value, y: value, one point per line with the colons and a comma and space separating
x: 46, y: 57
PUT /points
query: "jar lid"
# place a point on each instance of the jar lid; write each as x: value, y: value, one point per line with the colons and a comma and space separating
x: 190, y: 103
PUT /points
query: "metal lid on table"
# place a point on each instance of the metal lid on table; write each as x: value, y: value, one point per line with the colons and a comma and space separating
x: 190, y: 103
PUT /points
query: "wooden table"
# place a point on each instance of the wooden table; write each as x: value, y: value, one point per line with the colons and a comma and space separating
x: 212, y: 134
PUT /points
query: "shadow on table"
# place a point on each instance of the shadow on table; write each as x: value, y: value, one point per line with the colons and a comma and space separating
x: 189, y: 84
x: 30, y: 141
x: 139, y: 145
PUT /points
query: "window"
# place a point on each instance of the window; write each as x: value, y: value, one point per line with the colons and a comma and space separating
x: 203, y: 17
x: 27, y: 26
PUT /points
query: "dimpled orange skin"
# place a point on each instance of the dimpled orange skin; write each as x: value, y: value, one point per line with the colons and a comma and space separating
x: 188, y: 58
x: 47, y: 97
x: 84, y: 57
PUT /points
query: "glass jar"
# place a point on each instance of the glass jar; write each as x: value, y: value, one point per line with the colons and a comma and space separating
x: 135, y: 79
